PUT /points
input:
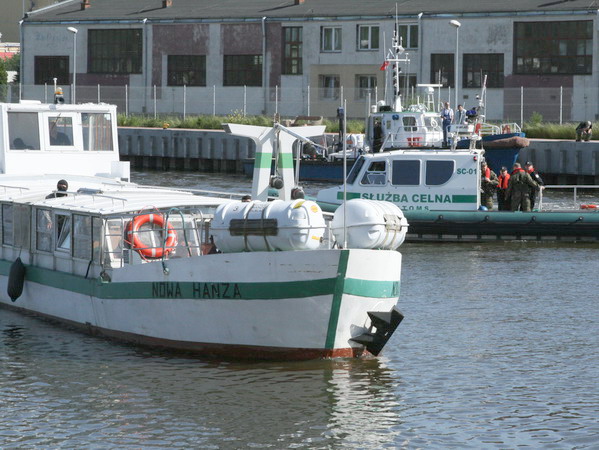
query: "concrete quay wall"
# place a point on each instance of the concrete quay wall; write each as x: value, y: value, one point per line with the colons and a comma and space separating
x: 182, y: 149
x: 558, y: 161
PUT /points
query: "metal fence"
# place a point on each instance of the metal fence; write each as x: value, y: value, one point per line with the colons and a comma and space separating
x: 557, y: 105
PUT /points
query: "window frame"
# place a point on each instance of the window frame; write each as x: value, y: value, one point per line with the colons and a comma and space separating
x: 336, y: 35
x: 371, y: 45
x: 410, y: 37
x: 363, y: 91
x: 44, y: 73
x: 376, y: 172
x: 115, y: 51
x: 434, y: 162
x: 292, y: 61
x: 490, y: 64
x: 413, y: 171
x: 448, y: 74
x: 191, y: 66
x: 237, y: 73
x: 541, y: 43
x: 328, y: 92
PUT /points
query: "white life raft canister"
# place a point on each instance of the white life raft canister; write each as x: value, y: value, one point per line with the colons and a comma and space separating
x: 267, y: 226
x: 370, y: 224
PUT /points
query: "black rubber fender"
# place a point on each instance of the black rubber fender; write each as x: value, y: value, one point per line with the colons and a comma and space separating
x: 16, y: 279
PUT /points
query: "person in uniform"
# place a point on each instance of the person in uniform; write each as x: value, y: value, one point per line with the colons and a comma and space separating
x: 61, y: 187
x: 502, y: 199
x: 536, y: 178
x: 518, y: 188
x: 488, y: 185
x: 584, y: 131
x: 447, y: 118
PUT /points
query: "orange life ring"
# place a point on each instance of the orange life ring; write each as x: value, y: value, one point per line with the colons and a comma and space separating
x: 133, y: 227
x: 477, y: 128
x: 589, y: 206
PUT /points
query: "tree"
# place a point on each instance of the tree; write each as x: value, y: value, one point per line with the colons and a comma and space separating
x: 14, y: 63
x: 3, y: 80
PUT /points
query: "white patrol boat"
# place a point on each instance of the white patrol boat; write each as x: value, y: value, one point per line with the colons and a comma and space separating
x: 164, y: 267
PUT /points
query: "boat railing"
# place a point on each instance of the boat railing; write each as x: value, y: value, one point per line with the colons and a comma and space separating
x: 412, y: 136
x: 6, y: 187
x: 574, y: 188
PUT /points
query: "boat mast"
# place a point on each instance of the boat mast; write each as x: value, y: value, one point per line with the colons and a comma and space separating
x: 396, y: 55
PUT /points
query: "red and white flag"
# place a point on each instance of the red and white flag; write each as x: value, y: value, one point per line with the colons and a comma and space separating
x: 384, y: 65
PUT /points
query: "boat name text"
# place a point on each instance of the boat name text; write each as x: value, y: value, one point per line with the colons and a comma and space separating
x: 195, y: 290
x: 404, y: 198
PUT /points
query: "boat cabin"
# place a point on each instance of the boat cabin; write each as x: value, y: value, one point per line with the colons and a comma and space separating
x: 413, y: 128
x: 60, y: 138
x: 414, y: 180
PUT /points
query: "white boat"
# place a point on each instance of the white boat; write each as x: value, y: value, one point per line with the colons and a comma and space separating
x: 165, y: 267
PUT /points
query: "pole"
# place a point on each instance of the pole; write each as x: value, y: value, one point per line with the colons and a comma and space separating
x: 308, y: 99
x: 344, y: 173
x: 184, y: 101
x: 457, y: 59
x: 521, y: 106
x: 126, y: 100
x: 561, y: 104
x: 214, y: 99
x: 74, y: 93
x: 245, y: 93
x: 154, y: 101
x: 98, y: 92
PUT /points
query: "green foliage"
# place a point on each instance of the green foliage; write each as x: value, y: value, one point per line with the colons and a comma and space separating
x: 550, y: 130
x: 3, y: 80
x: 209, y: 122
x: 536, y: 118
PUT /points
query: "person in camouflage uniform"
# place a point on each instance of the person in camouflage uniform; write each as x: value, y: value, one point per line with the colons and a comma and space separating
x: 518, y: 188
x: 488, y: 185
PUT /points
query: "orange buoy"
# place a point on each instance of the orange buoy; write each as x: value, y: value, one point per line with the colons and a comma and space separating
x: 589, y: 206
x: 133, y: 227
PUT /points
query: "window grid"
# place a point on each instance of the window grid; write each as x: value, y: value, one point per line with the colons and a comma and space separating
x: 49, y: 67
x: 442, y: 69
x: 553, y: 47
x: 242, y: 70
x: 329, y: 86
x: 115, y: 51
x: 365, y: 84
x: 408, y: 35
x: 292, y: 50
x: 330, y: 39
x: 368, y: 37
x: 186, y: 70
x: 477, y: 65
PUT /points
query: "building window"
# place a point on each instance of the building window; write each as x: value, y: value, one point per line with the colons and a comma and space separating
x: 553, y: 47
x: 292, y: 50
x: 330, y: 39
x: 329, y: 87
x: 186, y: 70
x: 368, y: 37
x: 115, y: 51
x: 242, y: 70
x: 477, y: 65
x: 409, y: 36
x: 442, y: 69
x: 410, y: 79
x: 365, y: 85
x: 49, y: 67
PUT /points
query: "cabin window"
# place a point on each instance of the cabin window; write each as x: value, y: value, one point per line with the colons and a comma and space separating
x: 330, y: 39
x: 96, y: 238
x: 355, y: 170
x: 82, y: 237
x: 44, y: 230
x: 60, y: 131
x: 439, y: 172
x: 7, y: 224
x: 97, y: 131
x: 368, y: 37
x: 376, y: 173
x: 406, y: 173
x: 409, y: 124
x: 63, y: 231
x: 23, y: 131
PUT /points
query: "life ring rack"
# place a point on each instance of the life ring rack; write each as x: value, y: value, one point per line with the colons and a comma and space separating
x: 135, y: 242
x: 589, y: 206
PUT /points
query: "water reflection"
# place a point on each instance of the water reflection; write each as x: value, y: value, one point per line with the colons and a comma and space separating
x: 61, y: 387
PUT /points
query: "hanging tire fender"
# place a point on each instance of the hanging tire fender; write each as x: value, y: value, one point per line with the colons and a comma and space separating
x: 16, y: 279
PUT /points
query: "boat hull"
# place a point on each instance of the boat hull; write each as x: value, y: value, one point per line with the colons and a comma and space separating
x: 261, y: 305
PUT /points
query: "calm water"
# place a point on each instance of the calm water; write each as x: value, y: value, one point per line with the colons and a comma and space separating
x: 499, y: 349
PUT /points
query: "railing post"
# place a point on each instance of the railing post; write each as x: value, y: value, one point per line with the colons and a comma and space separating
x: 214, y: 99
x: 561, y: 104
x: 276, y: 99
x: 126, y: 100
x: 184, y: 101
x: 521, y: 107
x: 154, y: 101
x: 98, y: 92
x: 308, y: 100
x: 244, y: 99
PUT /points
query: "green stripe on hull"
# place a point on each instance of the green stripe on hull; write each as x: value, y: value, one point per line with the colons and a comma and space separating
x: 337, y: 296
x: 463, y: 199
x: 349, y: 195
x: 206, y: 290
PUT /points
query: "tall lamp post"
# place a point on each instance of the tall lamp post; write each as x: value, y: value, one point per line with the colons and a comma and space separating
x: 74, y: 96
x: 457, y: 26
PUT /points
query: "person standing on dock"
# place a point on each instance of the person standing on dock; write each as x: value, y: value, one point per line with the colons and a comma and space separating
x: 488, y: 185
x: 447, y: 118
x: 518, y: 188
x: 502, y: 199
x: 536, y: 178
x: 460, y: 115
